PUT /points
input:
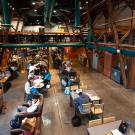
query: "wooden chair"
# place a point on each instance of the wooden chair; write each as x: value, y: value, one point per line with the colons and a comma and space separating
x: 109, y: 119
x: 74, y: 87
x: 85, y: 108
x: 84, y: 87
x: 96, y: 122
x: 98, y: 109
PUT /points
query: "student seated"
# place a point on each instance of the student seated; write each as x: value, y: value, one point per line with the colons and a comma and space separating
x: 82, y: 99
x: 32, y: 106
x: 47, y: 77
x: 28, y: 94
x: 29, y: 89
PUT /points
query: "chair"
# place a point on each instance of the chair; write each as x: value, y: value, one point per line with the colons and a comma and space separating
x: 109, y: 119
x: 74, y: 87
x: 95, y: 122
x: 37, y: 129
x: 85, y: 108
x: 98, y: 109
x: 84, y: 87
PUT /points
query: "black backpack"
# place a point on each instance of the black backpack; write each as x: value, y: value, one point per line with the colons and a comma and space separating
x: 76, y: 121
x: 123, y: 127
x: 14, y: 123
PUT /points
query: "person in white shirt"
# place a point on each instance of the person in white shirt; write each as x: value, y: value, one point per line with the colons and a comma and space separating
x: 28, y: 87
x: 32, y: 106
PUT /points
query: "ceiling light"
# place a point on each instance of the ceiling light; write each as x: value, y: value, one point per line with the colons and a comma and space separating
x: 37, y: 20
x: 80, y: 7
x: 54, y: 11
x: 118, y: 50
x: 86, y: 2
x: 13, y: 8
x: 35, y: 10
x: 33, y: 3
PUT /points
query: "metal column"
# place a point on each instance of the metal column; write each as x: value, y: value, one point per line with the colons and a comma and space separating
x: 5, y: 10
x: 77, y: 13
x: 48, y: 9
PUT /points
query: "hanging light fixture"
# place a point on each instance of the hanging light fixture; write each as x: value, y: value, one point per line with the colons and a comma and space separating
x: 33, y: 3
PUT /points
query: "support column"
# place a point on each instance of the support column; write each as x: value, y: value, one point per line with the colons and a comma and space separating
x: 5, y: 57
x: 131, y: 66
x: 89, y: 52
x: 5, y: 10
x: 77, y: 13
x: 90, y: 36
x: 115, y: 34
x: 6, y: 21
x: 131, y: 74
x: 132, y: 30
x: 48, y: 9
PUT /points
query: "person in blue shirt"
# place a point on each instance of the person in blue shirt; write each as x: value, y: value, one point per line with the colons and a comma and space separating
x: 47, y: 77
x: 82, y: 99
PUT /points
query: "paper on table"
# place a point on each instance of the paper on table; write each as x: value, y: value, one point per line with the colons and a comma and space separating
x: 94, y: 98
x: 90, y: 95
x: 38, y: 81
x: 38, y: 85
x: 116, y: 132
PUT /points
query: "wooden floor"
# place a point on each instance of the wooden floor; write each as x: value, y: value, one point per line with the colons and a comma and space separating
x: 57, y: 113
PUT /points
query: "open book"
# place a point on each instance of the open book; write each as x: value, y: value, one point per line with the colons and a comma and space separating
x: 116, y: 132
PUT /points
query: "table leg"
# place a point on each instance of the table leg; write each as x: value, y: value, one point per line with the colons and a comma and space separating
x: 71, y: 101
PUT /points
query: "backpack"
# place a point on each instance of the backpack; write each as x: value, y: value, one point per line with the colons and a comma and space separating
x: 76, y: 121
x: 14, y: 123
x: 123, y: 127
x: 67, y: 91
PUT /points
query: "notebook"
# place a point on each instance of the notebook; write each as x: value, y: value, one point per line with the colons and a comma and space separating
x: 94, y: 98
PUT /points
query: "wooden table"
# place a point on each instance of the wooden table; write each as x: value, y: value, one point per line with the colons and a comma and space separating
x: 74, y: 87
x: 105, y: 128
x: 91, y: 93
